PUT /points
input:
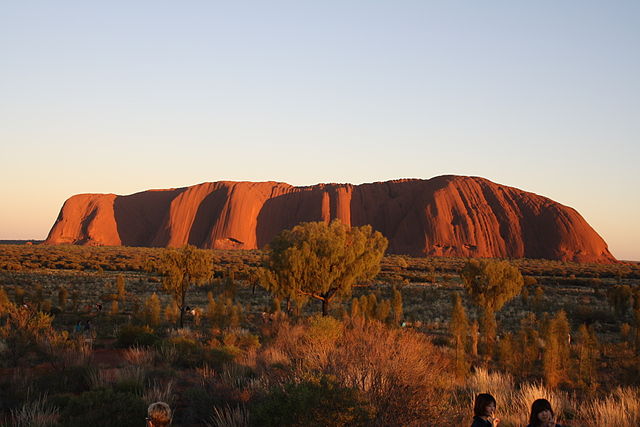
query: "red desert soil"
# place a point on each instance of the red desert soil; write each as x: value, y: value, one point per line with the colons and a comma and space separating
x: 443, y: 216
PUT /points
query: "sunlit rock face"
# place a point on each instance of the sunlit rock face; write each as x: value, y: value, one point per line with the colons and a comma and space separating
x: 443, y: 216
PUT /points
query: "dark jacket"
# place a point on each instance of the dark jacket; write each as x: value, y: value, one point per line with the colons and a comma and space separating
x: 479, y: 422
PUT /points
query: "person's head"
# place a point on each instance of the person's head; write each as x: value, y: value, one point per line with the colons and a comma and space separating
x: 541, y: 412
x: 484, y: 406
x: 158, y: 415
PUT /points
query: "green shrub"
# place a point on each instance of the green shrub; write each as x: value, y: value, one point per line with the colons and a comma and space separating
x: 190, y: 353
x: 200, y: 404
x: 312, y: 403
x: 72, y: 379
x: 218, y: 357
x: 131, y: 335
x: 105, y: 408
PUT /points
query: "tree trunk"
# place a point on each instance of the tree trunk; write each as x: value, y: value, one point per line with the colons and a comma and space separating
x: 325, y: 307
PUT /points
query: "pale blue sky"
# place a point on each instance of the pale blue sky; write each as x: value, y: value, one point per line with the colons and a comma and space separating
x: 119, y: 98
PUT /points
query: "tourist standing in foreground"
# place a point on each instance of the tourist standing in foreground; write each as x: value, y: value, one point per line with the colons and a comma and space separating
x: 158, y: 415
x: 483, y: 410
x: 542, y: 414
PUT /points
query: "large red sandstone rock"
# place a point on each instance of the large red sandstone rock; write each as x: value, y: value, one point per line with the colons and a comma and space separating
x: 444, y: 216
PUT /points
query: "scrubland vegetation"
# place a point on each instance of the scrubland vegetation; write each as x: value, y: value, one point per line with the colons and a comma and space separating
x: 410, y: 345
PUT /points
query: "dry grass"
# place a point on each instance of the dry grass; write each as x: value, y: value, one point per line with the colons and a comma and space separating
x: 620, y: 409
x: 35, y: 413
x: 514, y: 403
x: 158, y: 392
x: 398, y: 371
x: 403, y: 375
x: 229, y: 417
x: 139, y: 356
x: 102, y: 378
x: 167, y: 353
x: 105, y: 378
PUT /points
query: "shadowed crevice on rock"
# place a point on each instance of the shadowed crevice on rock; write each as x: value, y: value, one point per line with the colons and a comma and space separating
x: 206, y: 217
x: 140, y: 216
x: 286, y: 211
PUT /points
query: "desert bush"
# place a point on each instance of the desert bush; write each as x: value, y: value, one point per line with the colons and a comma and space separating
x: 236, y: 376
x: 312, y: 403
x: 159, y: 392
x: 132, y: 335
x: 228, y: 416
x: 395, y: 369
x: 72, y: 379
x: 166, y: 353
x: 35, y: 413
x: 241, y: 339
x: 201, y: 402
x: 139, y: 356
x: 621, y: 408
x: 101, y: 378
x: 23, y: 332
x: 130, y: 379
x: 104, y: 407
x: 191, y: 353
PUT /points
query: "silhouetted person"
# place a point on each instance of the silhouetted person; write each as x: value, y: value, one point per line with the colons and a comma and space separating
x: 158, y: 415
x: 483, y: 409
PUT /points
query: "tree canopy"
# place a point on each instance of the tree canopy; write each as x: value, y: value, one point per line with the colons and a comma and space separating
x: 322, y: 261
x: 183, y: 268
x: 491, y: 283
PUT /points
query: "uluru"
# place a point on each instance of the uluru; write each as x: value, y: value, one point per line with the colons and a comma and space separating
x: 442, y: 216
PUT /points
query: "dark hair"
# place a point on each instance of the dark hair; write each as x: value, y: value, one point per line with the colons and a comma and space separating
x: 482, y: 401
x: 539, y: 405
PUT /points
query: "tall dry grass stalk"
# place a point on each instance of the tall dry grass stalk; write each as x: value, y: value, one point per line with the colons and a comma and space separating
x: 620, y: 409
x: 35, y: 413
x: 207, y: 376
x: 167, y: 353
x: 229, y: 417
x: 105, y: 378
x: 139, y: 356
x: 102, y: 378
x: 234, y: 375
x: 135, y: 374
x: 158, y: 392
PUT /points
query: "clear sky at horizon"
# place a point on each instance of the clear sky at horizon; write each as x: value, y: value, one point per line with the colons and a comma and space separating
x: 120, y: 97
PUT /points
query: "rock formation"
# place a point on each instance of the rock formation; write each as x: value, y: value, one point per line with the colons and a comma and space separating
x: 443, y: 216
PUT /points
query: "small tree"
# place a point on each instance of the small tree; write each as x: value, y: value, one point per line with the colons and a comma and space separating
x: 171, y: 311
x: 506, y: 354
x: 114, y: 307
x: 396, y: 303
x: 490, y: 284
x: 183, y: 268
x: 459, y: 329
x: 120, y: 285
x: 62, y: 297
x: 4, y: 301
x: 474, y: 333
x: 586, y: 355
x: 152, y: 309
x: 322, y: 261
x: 556, y: 351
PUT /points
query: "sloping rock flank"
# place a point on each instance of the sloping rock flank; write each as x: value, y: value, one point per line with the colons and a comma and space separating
x: 443, y: 216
